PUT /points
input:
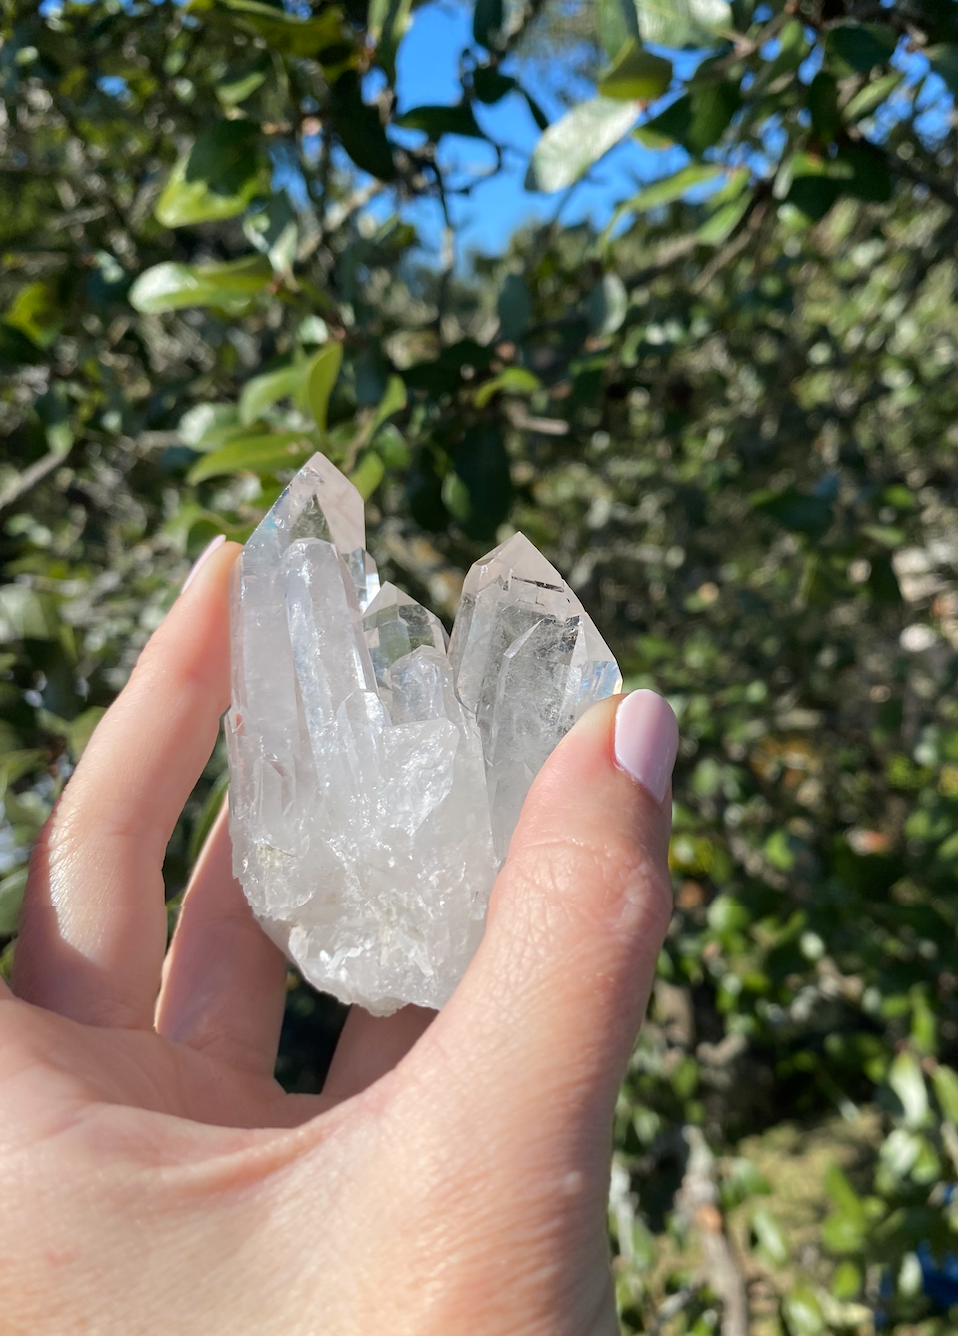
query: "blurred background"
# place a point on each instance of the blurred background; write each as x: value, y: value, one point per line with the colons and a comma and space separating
x: 670, y: 285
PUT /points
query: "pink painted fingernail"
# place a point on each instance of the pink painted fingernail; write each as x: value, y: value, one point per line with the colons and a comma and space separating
x: 647, y: 740
x: 208, y: 551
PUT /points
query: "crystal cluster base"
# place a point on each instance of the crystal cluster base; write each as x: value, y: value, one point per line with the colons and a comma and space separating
x: 376, y: 775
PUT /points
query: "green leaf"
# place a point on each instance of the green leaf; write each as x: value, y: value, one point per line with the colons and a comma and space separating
x: 217, y: 178
x: 607, y: 305
x: 573, y: 144
x: 944, y: 62
x: 360, y: 128
x: 439, y: 121
x: 906, y: 1079
x: 263, y: 391
x: 11, y: 900
x: 236, y: 88
x: 699, y: 118
x: 514, y: 308
x: 726, y: 218
x: 822, y: 101
x: 206, y: 816
x: 27, y: 615
x: 230, y: 286
x: 945, y: 1081
x: 769, y: 1236
x: 796, y: 510
x: 393, y: 401
x: 636, y: 75
x: 869, y: 173
x: 616, y: 22
x: 75, y: 732
x: 514, y: 380
x: 479, y: 493
x: 368, y: 474
x: 487, y: 20
x: 320, y: 378
x: 811, y: 183
x: 869, y: 98
x: 672, y: 187
x: 225, y: 156
x: 388, y: 23
x: 287, y: 34
x: 390, y: 445
x: 803, y: 1312
x: 856, y: 48
x: 489, y: 85
x: 266, y: 452
x: 34, y: 311
x: 206, y: 426
x: 683, y: 23
x: 16, y: 349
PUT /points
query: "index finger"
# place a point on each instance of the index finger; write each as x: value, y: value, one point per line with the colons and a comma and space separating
x: 94, y: 925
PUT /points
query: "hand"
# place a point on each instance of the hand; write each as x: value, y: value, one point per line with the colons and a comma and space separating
x: 452, y: 1177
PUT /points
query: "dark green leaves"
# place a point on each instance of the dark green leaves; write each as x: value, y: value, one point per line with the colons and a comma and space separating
x: 798, y: 511
x: 286, y: 33
x: 490, y: 85
x: 16, y: 349
x: 479, y: 491
x: 823, y: 106
x: 487, y: 17
x: 514, y: 308
x: 217, y: 178
x: 360, y: 128
x: 699, y: 118
x: 858, y: 47
x: 438, y: 121
x: 224, y: 157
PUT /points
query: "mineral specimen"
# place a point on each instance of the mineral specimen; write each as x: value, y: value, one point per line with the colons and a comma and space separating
x: 375, y: 779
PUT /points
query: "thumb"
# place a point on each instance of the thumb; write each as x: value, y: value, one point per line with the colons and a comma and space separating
x: 554, y: 996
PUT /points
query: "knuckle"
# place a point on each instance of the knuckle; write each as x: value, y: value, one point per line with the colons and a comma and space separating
x: 599, y: 881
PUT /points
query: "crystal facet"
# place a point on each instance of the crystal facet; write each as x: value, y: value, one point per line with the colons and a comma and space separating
x: 376, y: 778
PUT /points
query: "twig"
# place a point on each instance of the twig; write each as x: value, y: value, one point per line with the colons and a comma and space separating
x: 29, y: 478
x: 728, y: 253
x: 697, y: 1202
x: 448, y: 256
x: 672, y: 1306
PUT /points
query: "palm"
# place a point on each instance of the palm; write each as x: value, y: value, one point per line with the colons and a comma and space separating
x: 452, y: 1175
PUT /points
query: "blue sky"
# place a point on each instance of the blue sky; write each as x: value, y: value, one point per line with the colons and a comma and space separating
x: 427, y: 72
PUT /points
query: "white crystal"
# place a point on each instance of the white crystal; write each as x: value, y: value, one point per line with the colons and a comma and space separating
x: 375, y: 778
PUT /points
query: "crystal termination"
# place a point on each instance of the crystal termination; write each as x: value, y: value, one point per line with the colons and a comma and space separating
x: 376, y: 776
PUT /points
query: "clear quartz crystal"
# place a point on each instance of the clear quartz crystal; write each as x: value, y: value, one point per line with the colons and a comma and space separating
x: 375, y: 778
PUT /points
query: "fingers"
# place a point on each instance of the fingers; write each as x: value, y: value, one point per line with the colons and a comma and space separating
x: 94, y: 925
x: 546, y: 1015
x: 224, y: 982
x: 371, y: 1046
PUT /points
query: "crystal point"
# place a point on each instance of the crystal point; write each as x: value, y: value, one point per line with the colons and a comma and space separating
x: 377, y: 775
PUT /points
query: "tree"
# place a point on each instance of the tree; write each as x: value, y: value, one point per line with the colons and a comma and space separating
x: 729, y: 418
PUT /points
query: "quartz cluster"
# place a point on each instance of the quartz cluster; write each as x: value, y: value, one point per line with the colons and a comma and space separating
x: 377, y: 772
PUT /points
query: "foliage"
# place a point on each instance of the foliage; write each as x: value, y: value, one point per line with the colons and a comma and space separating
x: 729, y: 417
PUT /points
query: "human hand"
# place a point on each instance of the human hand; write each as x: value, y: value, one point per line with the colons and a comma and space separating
x: 453, y: 1175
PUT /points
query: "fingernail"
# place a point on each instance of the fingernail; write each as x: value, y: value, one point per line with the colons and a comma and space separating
x: 208, y: 551
x: 647, y: 740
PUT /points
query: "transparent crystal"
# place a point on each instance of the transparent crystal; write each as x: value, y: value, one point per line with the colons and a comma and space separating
x: 528, y: 661
x: 376, y: 778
